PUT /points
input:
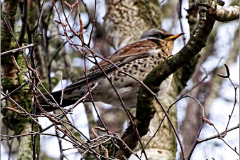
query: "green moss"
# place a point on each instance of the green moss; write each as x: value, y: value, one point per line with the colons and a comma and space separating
x: 9, y: 11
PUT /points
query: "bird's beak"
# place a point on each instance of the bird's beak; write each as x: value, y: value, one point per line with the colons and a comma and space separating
x: 174, y: 37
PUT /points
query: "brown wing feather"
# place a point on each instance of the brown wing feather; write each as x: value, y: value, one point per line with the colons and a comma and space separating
x: 137, y: 50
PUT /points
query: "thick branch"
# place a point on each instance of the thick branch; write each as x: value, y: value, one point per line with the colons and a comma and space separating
x: 223, y: 14
x: 161, y: 72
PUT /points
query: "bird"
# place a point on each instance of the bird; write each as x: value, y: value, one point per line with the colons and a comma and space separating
x: 137, y: 59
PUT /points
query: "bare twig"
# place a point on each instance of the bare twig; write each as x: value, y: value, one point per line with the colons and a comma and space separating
x: 18, y: 49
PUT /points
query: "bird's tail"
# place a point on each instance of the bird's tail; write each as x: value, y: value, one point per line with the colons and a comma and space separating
x: 53, y: 100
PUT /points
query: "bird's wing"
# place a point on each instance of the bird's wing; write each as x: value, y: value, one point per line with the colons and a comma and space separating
x: 130, y: 52
x: 139, y: 49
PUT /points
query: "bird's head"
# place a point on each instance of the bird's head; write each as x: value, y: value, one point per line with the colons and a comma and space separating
x: 160, y: 33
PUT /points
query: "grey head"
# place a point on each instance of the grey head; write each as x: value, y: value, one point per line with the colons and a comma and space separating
x: 158, y: 33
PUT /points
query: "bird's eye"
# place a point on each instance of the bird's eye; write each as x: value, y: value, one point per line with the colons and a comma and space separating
x: 160, y: 35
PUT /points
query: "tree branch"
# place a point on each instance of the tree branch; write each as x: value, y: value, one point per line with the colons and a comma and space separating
x: 223, y: 14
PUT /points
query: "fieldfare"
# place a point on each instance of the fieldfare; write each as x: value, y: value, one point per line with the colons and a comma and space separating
x: 136, y: 59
